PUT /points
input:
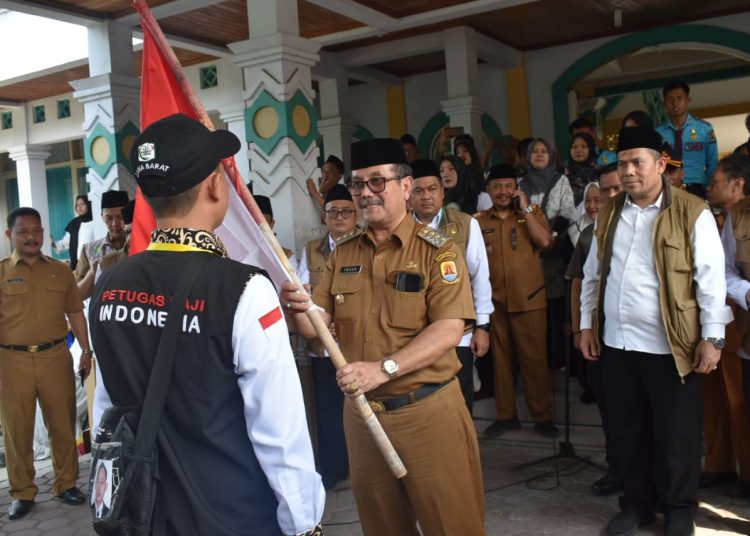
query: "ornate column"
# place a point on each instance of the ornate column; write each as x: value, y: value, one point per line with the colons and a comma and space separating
x: 111, y: 105
x: 336, y: 125
x: 280, y: 120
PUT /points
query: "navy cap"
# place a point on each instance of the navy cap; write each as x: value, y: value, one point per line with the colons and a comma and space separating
x: 176, y: 153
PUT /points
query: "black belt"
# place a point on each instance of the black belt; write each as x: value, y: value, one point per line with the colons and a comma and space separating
x: 397, y: 402
x: 31, y: 348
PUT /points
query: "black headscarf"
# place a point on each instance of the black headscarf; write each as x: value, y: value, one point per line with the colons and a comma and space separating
x: 72, y: 229
x: 581, y: 173
x: 540, y: 180
x: 462, y: 194
x: 474, y: 171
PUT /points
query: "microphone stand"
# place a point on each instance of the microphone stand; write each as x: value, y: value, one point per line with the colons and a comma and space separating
x: 566, y: 449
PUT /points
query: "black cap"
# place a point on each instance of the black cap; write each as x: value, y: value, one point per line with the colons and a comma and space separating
x: 639, y: 138
x: 115, y: 199
x: 501, y: 171
x: 377, y: 152
x: 336, y: 161
x: 424, y: 167
x: 127, y: 212
x: 264, y: 204
x: 176, y: 153
x: 338, y: 192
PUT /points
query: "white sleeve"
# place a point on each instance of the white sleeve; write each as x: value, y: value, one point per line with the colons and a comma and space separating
x: 484, y: 201
x: 62, y: 244
x: 589, y: 286
x: 479, y: 270
x: 303, y: 271
x: 101, y: 400
x: 274, y: 408
x: 293, y: 262
x: 737, y: 286
x: 708, y: 273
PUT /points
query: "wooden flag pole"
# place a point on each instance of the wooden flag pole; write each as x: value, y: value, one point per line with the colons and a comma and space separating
x: 337, y: 358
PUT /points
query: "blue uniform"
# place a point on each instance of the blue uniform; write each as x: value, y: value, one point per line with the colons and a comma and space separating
x: 698, y: 149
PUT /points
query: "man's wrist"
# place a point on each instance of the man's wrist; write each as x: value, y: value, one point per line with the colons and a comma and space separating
x: 87, y: 351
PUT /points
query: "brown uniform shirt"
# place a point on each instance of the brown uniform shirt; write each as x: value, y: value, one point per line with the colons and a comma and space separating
x: 93, y: 252
x: 374, y: 319
x: 515, y: 267
x: 34, y: 299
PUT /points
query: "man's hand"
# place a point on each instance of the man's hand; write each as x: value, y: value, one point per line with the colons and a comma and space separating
x: 706, y: 357
x: 293, y: 299
x: 84, y: 364
x: 589, y: 345
x: 480, y: 342
x: 523, y: 199
x: 360, y: 377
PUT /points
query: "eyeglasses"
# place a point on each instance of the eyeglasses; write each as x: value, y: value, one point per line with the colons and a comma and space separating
x: 334, y: 213
x: 375, y: 184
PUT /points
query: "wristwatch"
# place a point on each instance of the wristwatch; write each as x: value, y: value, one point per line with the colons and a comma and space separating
x: 485, y: 327
x: 719, y: 344
x: 390, y: 367
x: 529, y: 209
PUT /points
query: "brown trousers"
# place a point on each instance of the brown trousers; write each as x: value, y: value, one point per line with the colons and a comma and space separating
x: 726, y: 424
x: 443, y: 490
x: 523, y: 337
x: 24, y: 378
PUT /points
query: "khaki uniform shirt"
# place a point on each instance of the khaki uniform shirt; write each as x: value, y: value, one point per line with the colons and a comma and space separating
x: 93, y: 252
x: 374, y: 318
x: 515, y: 266
x: 34, y: 299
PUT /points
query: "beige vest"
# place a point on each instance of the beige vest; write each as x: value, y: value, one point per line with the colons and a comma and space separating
x: 674, y: 268
x: 456, y: 225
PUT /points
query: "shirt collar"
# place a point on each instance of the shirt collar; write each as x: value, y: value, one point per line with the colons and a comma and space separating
x: 189, y: 239
x: 435, y: 223
x: 331, y: 242
x: 15, y: 258
x: 402, y: 232
x: 657, y: 203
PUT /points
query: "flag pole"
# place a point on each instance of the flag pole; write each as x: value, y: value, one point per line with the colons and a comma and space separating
x: 337, y: 358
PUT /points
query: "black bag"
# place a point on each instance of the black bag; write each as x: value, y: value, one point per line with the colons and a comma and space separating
x: 124, y: 449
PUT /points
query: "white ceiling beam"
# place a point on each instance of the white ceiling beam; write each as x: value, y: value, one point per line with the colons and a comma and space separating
x: 328, y: 67
x: 176, y: 7
x: 435, y: 16
x: 391, y: 50
x: 497, y: 53
x: 377, y: 77
x: 192, y: 45
x: 356, y: 11
x: 44, y: 72
x: 84, y: 18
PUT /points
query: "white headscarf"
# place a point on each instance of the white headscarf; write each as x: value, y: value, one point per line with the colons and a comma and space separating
x: 574, y: 231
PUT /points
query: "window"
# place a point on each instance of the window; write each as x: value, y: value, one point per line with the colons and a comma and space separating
x: 39, y: 115
x: 7, y: 120
x: 209, y: 78
x: 63, y: 108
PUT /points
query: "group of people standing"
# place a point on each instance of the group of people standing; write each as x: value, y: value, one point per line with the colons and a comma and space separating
x: 415, y: 288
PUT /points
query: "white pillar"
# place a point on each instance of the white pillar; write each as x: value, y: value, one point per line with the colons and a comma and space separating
x: 31, y: 170
x: 463, y: 107
x: 111, y: 108
x: 280, y: 120
x: 234, y: 117
x: 336, y: 125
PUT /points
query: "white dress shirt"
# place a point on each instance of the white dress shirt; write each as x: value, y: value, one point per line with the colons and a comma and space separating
x: 479, y: 272
x: 278, y: 431
x: 737, y: 286
x: 632, y: 310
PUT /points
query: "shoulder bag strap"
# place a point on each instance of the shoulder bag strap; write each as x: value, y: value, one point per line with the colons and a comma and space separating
x: 161, y: 373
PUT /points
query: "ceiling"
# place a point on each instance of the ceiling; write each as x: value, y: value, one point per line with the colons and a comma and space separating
x: 201, y: 29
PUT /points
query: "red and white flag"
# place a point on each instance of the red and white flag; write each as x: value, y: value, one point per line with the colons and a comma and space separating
x: 161, y: 96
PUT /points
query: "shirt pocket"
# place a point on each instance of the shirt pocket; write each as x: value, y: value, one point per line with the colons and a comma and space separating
x: 347, y: 297
x: 14, y: 289
x: 675, y: 256
x: 406, y: 310
x: 743, y: 250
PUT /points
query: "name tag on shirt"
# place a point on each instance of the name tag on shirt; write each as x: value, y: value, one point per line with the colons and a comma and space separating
x: 351, y: 269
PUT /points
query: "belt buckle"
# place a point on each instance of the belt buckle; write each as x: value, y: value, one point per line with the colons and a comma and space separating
x: 376, y: 406
x: 33, y: 348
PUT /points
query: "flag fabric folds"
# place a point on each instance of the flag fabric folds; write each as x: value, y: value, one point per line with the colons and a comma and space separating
x: 161, y: 96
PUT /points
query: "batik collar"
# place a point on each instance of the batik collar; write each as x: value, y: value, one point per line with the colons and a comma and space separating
x: 187, y: 240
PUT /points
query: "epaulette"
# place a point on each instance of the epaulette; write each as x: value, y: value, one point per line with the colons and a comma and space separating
x: 432, y: 237
x: 348, y: 236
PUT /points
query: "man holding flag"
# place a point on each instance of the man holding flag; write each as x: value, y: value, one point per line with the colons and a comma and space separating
x: 231, y: 460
